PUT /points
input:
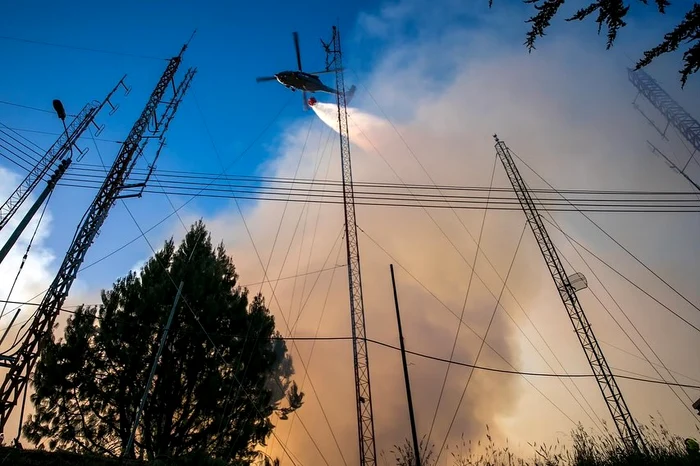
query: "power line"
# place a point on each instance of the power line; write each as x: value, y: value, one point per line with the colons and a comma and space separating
x: 257, y: 254
x: 529, y: 374
x: 86, y: 49
x: 32, y: 149
x: 486, y: 334
x: 16, y: 151
x: 470, y: 365
x: 50, y: 133
x: 462, y: 322
x: 192, y: 198
x: 630, y: 253
x: 369, y: 199
x: 193, y: 175
x: 628, y: 320
x: 461, y: 317
x: 5, y: 102
x: 623, y: 276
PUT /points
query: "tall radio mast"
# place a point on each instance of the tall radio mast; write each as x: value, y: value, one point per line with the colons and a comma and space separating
x: 567, y: 287
x: 148, y: 126
x: 365, y: 419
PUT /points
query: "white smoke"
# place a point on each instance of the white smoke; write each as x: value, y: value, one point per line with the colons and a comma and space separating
x: 361, y: 125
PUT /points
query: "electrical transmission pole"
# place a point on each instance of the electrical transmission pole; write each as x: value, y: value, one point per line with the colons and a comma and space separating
x: 50, y: 185
x: 567, y: 287
x: 62, y: 147
x: 365, y: 419
x: 148, y: 126
x: 675, y: 114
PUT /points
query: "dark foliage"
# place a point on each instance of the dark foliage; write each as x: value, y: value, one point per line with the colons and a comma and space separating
x: 15, y: 457
x: 611, y: 14
x: 213, y: 391
x: 686, y: 32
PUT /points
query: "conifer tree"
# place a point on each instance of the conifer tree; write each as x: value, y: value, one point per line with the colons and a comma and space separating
x: 222, y: 374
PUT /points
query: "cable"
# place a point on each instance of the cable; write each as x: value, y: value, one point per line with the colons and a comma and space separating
x: 318, y: 327
x: 124, y: 54
x: 623, y: 276
x: 192, y: 175
x: 490, y: 263
x: 87, y: 175
x: 5, y: 102
x: 32, y: 149
x: 486, y: 334
x: 618, y: 243
x: 40, y: 149
x: 626, y: 317
x: 257, y: 254
x: 189, y: 307
x: 474, y: 366
x: 526, y: 373
x: 464, y: 308
x: 52, y: 133
x: 14, y: 150
x: 320, y: 155
x: 462, y: 322
x: 286, y: 204
x: 630, y: 322
x: 643, y: 359
x: 336, y: 198
x: 15, y: 162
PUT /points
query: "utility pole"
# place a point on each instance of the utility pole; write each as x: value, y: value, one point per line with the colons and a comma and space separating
x: 567, y: 287
x: 416, y: 447
x: 62, y: 147
x: 149, y: 125
x: 363, y: 392
x: 33, y: 209
x: 154, y: 366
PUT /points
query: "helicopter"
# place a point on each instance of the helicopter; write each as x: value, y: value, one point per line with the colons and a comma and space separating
x: 306, y: 82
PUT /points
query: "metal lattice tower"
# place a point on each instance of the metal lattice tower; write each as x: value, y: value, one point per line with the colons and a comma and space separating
x: 148, y: 126
x: 669, y: 108
x: 365, y: 418
x: 58, y: 151
x: 624, y: 422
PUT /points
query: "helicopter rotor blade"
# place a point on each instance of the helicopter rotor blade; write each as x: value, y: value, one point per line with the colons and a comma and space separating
x: 265, y: 78
x: 295, y: 35
x: 325, y: 71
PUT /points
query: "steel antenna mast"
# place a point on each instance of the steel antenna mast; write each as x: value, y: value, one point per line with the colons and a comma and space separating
x: 365, y: 419
x: 567, y: 287
x: 148, y: 126
x: 675, y: 115
x: 62, y: 147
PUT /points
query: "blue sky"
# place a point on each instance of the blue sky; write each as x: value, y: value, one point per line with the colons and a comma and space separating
x: 231, y: 47
x: 234, y: 44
